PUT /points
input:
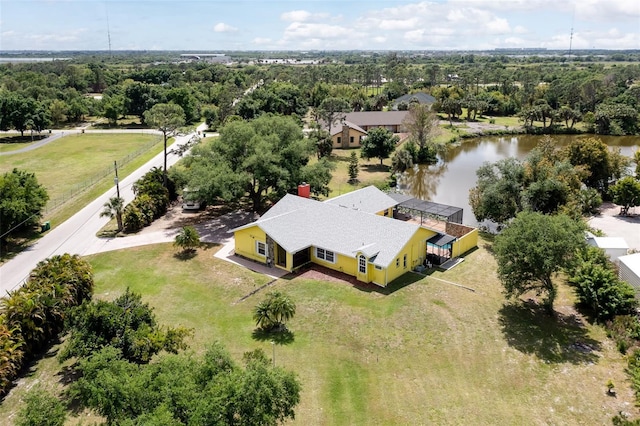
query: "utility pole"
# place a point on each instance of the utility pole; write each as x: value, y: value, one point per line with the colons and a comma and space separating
x: 115, y: 180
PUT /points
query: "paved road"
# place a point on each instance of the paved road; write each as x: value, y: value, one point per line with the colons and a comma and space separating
x: 78, y: 234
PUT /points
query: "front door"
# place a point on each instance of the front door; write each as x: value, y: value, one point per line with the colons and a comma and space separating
x: 362, y: 269
x: 282, y: 257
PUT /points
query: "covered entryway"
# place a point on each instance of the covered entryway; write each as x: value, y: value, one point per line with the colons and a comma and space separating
x: 301, y: 258
x: 439, y: 248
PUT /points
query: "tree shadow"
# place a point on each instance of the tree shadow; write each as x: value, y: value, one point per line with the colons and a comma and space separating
x: 398, y: 284
x: 185, y: 255
x: 375, y: 168
x: 558, y: 339
x: 284, y: 337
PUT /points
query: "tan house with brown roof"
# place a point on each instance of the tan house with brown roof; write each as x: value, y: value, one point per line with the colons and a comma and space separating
x: 352, y: 129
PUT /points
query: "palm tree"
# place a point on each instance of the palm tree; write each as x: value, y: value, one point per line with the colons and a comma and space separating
x: 187, y: 239
x: 113, y: 208
x: 273, y: 312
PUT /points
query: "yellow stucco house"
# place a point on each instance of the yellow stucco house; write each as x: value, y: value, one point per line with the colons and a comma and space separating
x: 354, y: 233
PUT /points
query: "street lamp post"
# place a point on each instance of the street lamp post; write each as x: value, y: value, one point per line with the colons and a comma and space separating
x: 115, y: 179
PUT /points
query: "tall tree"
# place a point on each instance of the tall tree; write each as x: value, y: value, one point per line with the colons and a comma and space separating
x: 353, y: 167
x: 268, y: 155
x: 332, y: 110
x: 497, y: 195
x: 626, y: 192
x: 379, y: 143
x: 22, y: 200
x: 532, y: 249
x: 167, y: 118
x: 422, y: 124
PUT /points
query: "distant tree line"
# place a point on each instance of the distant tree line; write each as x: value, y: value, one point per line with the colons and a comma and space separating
x: 555, y: 93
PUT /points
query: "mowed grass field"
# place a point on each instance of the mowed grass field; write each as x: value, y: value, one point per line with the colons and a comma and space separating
x: 73, y: 161
x: 69, y: 161
x: 425, y: 351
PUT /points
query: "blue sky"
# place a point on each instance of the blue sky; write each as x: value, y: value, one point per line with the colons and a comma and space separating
x: 330, y: 25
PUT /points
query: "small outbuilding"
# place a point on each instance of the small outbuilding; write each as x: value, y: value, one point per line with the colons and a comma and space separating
x: 629, y: 270
x: 614, y: 247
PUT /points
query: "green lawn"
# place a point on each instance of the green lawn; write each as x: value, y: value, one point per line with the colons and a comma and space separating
x: 425, y: 352
x: 68, y: 163
x: 71, y: 163
x: 13, y: 141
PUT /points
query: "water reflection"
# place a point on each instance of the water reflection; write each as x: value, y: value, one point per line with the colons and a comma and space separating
x: 449, y: 181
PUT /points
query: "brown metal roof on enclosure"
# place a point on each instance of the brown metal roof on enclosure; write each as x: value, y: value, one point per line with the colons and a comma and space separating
x: 428, y: 208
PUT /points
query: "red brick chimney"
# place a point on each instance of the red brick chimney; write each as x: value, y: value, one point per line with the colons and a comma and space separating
x: 304, y: 190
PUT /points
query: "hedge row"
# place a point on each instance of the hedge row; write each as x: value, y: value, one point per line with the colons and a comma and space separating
x: 33, y: 315
x: 151, y: 201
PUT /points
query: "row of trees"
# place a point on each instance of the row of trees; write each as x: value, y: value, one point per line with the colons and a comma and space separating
x: 542, y: 93
x: 34, y: 315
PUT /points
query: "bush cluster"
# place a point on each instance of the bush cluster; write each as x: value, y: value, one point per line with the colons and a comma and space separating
x: 34, y: 314
x: 151, y: 200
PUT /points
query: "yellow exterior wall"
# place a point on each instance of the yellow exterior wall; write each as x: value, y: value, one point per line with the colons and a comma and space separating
x: 245, y: 240
x: 352, y: 133
x: 343, y: 263
x: 389, y: 212
x: 465, y: 243
x: 416, y: 251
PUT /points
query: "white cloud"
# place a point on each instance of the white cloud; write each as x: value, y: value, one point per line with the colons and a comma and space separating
x: 519, y: 29
x: 262, y: 40
x: 296, y: 16
x: 221, y: 27
x: 303, y: 16
x: 397, y: 24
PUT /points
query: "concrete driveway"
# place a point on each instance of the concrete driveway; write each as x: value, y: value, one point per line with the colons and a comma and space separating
x: 614, y: 225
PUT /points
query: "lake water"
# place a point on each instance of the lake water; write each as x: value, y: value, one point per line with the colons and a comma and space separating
x: 449, y: 181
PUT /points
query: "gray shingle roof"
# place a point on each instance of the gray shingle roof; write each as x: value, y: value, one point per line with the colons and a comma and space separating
x: 298, y: 225
x: 376, y: 118
x: 336, y: 127
x: 369, y: 199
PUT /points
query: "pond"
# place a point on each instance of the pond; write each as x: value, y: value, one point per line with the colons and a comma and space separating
x: 449, y: 181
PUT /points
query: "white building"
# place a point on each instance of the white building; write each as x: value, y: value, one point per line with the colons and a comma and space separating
x: 629, y: 270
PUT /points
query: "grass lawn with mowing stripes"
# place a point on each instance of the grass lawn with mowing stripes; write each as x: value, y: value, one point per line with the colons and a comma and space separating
x: 423, y: 352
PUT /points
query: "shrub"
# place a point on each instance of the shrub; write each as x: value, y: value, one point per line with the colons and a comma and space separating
x: 126, y: 324
x: 187, y: 239
x: 41, y: 409
x: 133, y: 219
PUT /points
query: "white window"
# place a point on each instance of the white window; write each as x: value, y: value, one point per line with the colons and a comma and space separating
x: 261, y: 248
x: 327, y: 255
x: 362, y: 264
x: 378, y: 267
x: 397, y: 262
x: 405, y: 261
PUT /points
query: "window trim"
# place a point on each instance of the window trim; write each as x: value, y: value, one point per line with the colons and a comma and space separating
x: 404, y: 261
x: 264, y: 245
x: 326, y: 254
